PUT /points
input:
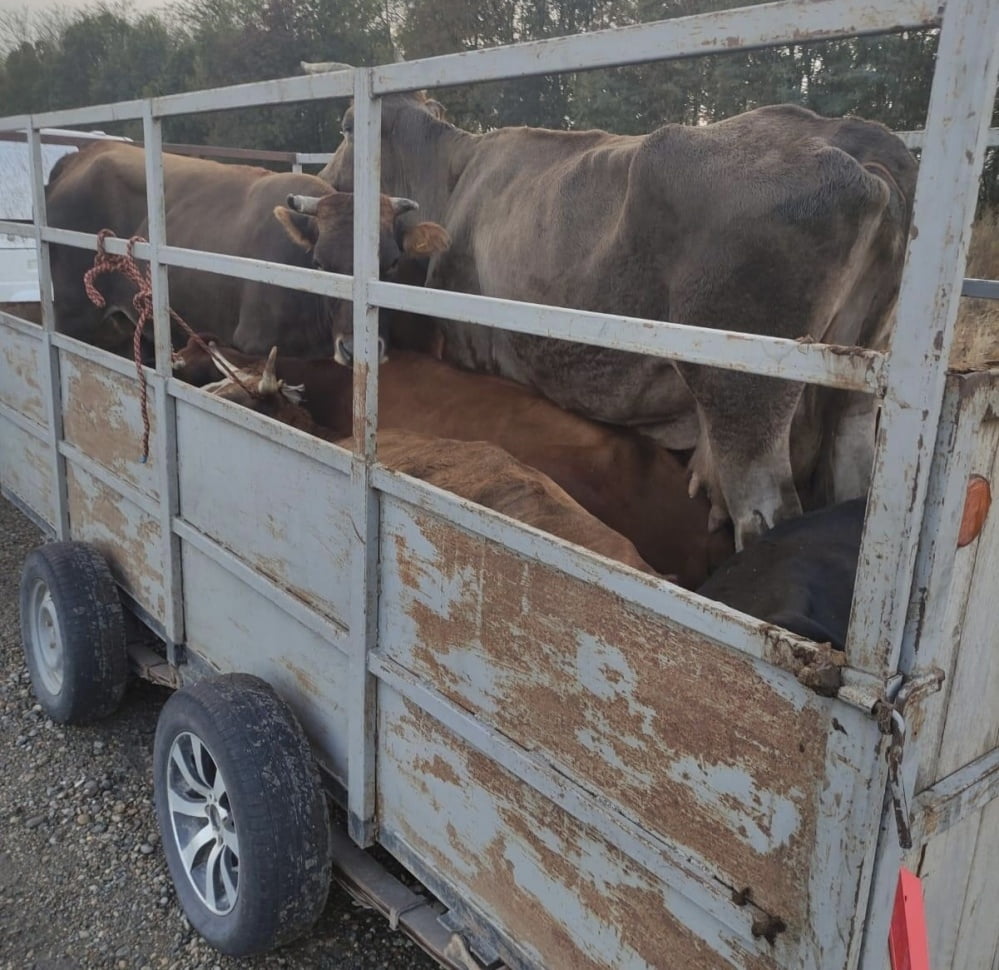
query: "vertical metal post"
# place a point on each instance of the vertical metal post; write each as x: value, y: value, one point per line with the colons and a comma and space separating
x: 964, y: 86
x: 165, y: 444
x: 363, y: 499
x: 50, y: 369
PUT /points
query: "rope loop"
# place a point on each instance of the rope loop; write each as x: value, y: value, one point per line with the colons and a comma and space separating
x: 142, y: 302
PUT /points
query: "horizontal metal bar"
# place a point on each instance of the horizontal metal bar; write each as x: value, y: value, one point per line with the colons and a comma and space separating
x: 92, y: 115
x: 693, y: 880
x: 327, y: 628
x: 256, y: 94
x: 108, y: 479
x: 967, y: 790
x: 786, y: 22
x: 26, y: 230
x: 22, y: 421
x: 316, y: 449
x: 241, y: 267
x: 223, y: 151
x: 852, y: 368
x: 17, y: 123
x: 25, y: 328
x: 51, y: 136
x: 914, y: 139
x: 313, y: 158
x: 103, y: 358
x: 981, y: 289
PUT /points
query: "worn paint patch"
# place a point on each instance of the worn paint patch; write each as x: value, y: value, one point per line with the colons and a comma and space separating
x: 101, y: 417
x: 704, y: 747
x: 569, y: 898
x: 20, y: 369
x: 26, y: 469
x: 130, y: 540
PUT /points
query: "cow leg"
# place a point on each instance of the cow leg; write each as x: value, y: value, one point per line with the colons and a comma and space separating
x: 852, y: 451
x: 743, y: 456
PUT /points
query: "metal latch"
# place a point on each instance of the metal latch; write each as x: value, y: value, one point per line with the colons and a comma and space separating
x: 891, y: 720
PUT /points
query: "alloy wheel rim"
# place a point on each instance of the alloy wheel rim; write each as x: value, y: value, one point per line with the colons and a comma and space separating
x: 202, y: 823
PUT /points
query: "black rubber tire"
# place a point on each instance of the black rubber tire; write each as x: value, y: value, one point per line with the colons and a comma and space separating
x: 69, y: 587
x: 277, y: 806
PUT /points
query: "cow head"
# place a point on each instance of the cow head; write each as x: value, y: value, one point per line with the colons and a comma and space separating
x: 193, y: 364
x: 323, y: 227
x: 406, y: 117
x: 256, y: 386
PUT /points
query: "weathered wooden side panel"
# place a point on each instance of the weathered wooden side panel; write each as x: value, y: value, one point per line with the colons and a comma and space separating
x: 512, y: 852
x: 277, y: 510
x: 128, y: 537
x: 953, y: 868
x: 972, y: 725
x: 26, y: 469
x: 977, y: 948
x: 103, y: 419
x: 706, y: 749
x: 21, y: 386
x: 233, y: 629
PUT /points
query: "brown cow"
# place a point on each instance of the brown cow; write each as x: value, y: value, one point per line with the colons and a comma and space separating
x: 777, y: 221
x: 624, y: 479
x: 475, y: 470
x: 239, y: 210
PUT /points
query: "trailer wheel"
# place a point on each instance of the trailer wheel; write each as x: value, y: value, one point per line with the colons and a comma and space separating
x: 73, y: 632
x: 242, y: 814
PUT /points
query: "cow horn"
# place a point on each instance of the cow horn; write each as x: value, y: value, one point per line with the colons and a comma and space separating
x: 399, y: 206
x: 309, y: 204
x: 269, y: 383
x: 216, y: 357
x: 324, y: 67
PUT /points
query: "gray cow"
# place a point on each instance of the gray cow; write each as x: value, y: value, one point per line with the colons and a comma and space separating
x: 777, y: 221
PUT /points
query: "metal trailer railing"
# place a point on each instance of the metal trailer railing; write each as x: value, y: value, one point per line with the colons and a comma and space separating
x: 909, y: 379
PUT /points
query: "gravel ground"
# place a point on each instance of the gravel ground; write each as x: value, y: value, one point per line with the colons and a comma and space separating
x: 83, y: 883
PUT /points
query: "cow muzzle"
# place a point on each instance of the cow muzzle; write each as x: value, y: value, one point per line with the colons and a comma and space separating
x: 343, y: 351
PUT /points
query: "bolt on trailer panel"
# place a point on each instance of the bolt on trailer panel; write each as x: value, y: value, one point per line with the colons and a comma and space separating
x: 698, y: 787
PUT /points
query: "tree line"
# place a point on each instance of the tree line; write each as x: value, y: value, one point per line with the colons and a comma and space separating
x: 109, y: 52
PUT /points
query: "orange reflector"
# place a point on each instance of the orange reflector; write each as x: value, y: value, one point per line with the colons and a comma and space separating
x: 976, y: 508
x: 907, y: 945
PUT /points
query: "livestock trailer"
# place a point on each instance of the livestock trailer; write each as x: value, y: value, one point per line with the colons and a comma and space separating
x: 587, y: 767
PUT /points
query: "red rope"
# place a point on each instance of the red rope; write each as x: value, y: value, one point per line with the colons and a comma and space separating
x: 105, y: 262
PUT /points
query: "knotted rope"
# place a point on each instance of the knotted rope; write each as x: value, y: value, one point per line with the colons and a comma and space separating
x: 105, y: 262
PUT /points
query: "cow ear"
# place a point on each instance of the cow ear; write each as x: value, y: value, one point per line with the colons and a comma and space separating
x: 302, y: 229
x: 425, y: 239
x: 436, y: 109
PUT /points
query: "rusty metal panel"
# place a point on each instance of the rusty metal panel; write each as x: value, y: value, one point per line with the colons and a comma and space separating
x: 102, y: 417
x: 233, y: 629
x: 128, y: 537
x: 703, y: 747
x: 26, y: 469
x: 513, y: 853
x: 21, y: 375
x: 280, y: 512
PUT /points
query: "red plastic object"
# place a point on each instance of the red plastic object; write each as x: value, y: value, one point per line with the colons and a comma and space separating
x: 907, y: 944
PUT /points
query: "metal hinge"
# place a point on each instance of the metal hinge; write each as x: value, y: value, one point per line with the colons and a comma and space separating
x: 890, y: 715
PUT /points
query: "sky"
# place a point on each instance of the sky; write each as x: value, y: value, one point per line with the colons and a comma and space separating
x: 40, y: 6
